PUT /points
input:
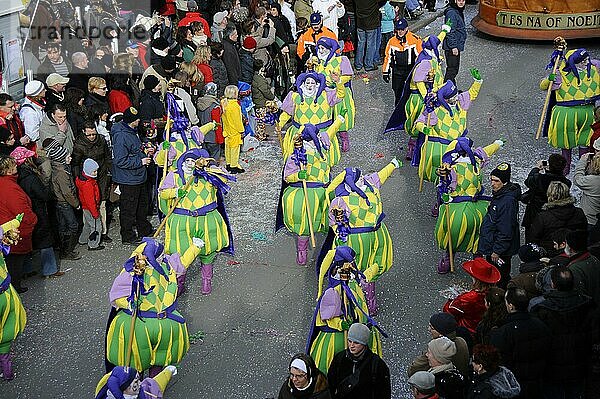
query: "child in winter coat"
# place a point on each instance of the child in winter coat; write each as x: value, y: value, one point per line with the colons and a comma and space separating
x: 209, y: 110
x: 63, y: 187
x: 261, y: 93
x: 89, y: 197
x: 233, y: 128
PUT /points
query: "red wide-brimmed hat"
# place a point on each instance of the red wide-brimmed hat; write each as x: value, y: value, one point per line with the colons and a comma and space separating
x: 482, y: 270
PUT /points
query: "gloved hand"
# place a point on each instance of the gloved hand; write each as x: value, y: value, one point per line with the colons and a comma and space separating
x: 447, y: 27
x: 395, y: 162
x: 181, y: 193
x: 171, y: 154
x: 427, y: 130
x: 340, y: 117
x: 172, y: 369
x: 386, y: 77
x: 552, y: 77
x: 302, y: 174
x: 499, y: 142
x: 475, y: 73
x: 199, y: 242
x: 430, y: 102
x: 166, y: 145
x: 345, y: 325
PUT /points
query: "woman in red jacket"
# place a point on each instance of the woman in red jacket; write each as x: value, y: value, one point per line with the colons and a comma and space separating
x: 14, y: 201
x: 119, y: 99
x: 201, y: 60
x: 468, y: 308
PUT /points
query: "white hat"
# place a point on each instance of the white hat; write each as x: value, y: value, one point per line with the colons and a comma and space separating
x: 34, y: 88
x: 596, y: 145
x: 55, y: 79
x: 219, y: 17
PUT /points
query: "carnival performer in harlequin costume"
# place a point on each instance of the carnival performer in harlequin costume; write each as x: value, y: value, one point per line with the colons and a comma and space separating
x: 461, y: 192
x: 181, y: 137
x: 124, y: 383
x: 308, y: 160
x: 328, y: 62
x: 426, y: 76
x: 200, y: 212
x: 148, y: 283
x: 356, y: 220
x: 448, y: 121
x: 340, y: 303
x: 575, y: 88
x: 313, y: 103
x: 12, y: 313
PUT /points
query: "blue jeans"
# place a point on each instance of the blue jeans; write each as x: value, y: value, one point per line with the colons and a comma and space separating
x: 367, y: 47
x: 48, y: 259
x: 412, y: 5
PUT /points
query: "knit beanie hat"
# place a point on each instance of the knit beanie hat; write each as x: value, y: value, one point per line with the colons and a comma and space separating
x: 359, y: 333
x: 55, y: 151
x: 150, y: 82
x: 89, y: 167
x: 502, y: 172
x: 442, y: 349
x: 531, y: 252
x: 33, y: 88
x: 444, y: 323
x: 249, y: 43
x: 130, y: 115
x: 424, y: 381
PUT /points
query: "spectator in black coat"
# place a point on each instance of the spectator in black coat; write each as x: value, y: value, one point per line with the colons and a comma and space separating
x: 247, y: 59
x: 97, y: 92
x: 569, y: 316
x: 523, y: 342
x: 537, y: 183
x: 559, y: 212
x: 77, y: 113
x: 7, y: 141
x: 218, y: 68
x: 374, y: 375
x: 231, y: 59
x: 499, y: 233
x: 80, y: 74
x: 491, y: 381
x: 283, y: 30
x: 150, y: 105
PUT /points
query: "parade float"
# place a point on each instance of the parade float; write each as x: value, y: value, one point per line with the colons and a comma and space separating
x: 539, y: 19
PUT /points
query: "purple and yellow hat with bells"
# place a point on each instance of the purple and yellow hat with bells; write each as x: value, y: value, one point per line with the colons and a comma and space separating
x: 318, y: 77
x: 574, y: 57
x: 115, y: 382
x: 447, y: 91
x: 432, y: 43
x: 330, y: 44
x: 310, y: 132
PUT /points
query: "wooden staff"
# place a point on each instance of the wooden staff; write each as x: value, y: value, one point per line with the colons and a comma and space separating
x: 139, y: 269
x: 423, y: 158
x: 278, y: 131
x: 560, y: 44
x: 170, y: 89
x: 306, y: 202
x: 451, y: 252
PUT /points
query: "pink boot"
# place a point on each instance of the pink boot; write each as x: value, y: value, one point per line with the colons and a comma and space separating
x: 207, y: 273
x: 302, y: 251
x: 410, y: 148
x: 181, y: 284
x: 444, y: 264
x: 345, y: 141
x: 6, y: 367
x: 369, y: 290
x: 154, y: 371
x: 567, y: 155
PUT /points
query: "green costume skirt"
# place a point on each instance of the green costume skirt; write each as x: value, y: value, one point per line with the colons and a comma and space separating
x: 431, y: 158
x: 570, y: 127
x: 12, y: 318
x: 211, y: 228
x: 295, y: 216
x: 414, y: 107
x: 156, y: 342
x: 371, y: 248
x: 465, y: 221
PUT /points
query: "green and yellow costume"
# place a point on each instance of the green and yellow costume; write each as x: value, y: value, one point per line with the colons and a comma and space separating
x: 340, y: 303
x: 443, y: 129
x: 160, y: 333
x: 180, y: 143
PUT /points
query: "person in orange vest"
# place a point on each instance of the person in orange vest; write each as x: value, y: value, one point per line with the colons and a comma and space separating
x: 400, y: 55
x: 307, y: 42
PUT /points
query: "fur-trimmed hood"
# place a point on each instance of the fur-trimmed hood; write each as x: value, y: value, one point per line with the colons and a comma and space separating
x: 562, y: 202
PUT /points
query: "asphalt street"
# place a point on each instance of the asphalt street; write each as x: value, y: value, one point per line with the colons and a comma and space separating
x: 262, y: 303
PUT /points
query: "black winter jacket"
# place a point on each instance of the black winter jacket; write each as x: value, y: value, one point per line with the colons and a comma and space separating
x: 150, y: 106
x: 501, y: 384
x: 499, y: 231
x: 40, y: 195
x: 369, y: 386
x: 231, y: 59
x: 556, y: 215
x: 97, y: 150
x: 569, y: 316
x: 317, y: 390
x: 523, y: 341
x: 450, y: 384
x: 219, y: 75
x: 536, y: 196
x: 247, y: 66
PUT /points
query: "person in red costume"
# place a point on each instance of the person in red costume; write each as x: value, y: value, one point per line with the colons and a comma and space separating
x: 468, y: 308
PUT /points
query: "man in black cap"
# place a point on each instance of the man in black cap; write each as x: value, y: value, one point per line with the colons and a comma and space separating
x: 164, y: 71
x: 129, y: 172
x: 499, y: 236
x: 400, y: 55
x: 444, y: 325
x: 585, y: 266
